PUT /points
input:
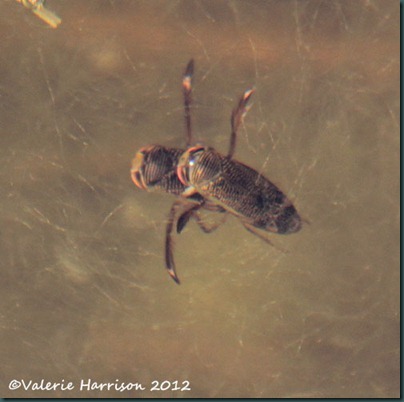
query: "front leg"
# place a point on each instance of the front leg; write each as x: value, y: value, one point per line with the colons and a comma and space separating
x: 186, y: 216
x: 193, y: 212
x: 170, y: 265
x: 180, y: 204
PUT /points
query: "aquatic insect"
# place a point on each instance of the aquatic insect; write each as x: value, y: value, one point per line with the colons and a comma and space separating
x: 202, y: 178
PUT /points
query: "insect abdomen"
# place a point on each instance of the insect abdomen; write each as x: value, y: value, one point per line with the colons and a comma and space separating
x: 242, y: 191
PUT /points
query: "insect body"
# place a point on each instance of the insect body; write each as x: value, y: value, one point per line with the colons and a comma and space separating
x: 239, y: 189
x: 202, y: 178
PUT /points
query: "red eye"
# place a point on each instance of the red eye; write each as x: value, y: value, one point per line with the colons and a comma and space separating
x: 136, y: 171
x: 182, y: 174
x: 137, y: 179
x: 186, y: 164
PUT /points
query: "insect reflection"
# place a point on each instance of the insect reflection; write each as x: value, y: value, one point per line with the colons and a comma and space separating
x: 203, y: 178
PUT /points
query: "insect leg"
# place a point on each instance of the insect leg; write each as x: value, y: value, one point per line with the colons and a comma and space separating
x: 236, y: 119
x: 169, y: 242
x: 186, y: 216
x: 252, y: 229
x: 193, y: 212
x: 210, y: 228
x: 187, y: 92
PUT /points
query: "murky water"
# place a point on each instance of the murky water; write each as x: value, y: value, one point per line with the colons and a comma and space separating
x: 84, y: 290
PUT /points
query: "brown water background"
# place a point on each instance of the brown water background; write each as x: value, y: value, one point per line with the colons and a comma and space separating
x: 84, y: 292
